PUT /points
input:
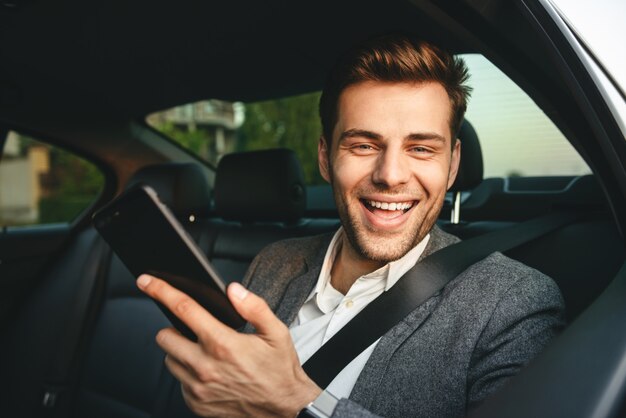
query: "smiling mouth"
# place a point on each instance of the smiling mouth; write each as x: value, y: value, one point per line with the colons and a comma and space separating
x: 374, y: 206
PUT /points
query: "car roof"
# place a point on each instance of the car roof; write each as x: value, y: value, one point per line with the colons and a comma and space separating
x: 144, y: 56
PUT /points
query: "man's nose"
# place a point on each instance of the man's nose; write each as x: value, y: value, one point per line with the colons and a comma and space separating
x: 392, y: 169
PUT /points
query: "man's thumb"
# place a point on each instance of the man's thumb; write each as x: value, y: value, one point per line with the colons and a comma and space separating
x: 253, y: 309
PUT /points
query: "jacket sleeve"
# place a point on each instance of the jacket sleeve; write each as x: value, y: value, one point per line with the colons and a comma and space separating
x: 523, y: 322
x: 349, y: 409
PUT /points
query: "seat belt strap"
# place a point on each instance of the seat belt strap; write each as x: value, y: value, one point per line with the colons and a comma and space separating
x: 416, y: 286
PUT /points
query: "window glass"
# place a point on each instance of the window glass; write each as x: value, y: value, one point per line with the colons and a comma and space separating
x: 41, y: 184
x: 516, y: 137
x: 214, y: 128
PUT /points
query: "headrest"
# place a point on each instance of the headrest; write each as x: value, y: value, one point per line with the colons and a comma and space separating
x: 183, y: 187
x: 260, y: 186
x: 470, y: 172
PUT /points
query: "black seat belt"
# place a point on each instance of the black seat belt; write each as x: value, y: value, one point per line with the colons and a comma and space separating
x: 416, y: 286
x: 61, y: 373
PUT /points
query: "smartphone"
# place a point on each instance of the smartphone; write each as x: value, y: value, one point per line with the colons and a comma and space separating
x: 148, y: 238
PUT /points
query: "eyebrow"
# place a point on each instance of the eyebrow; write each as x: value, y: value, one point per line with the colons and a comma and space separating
x: 353, y: 133
x: 418, y: 136
x: 425, y: 135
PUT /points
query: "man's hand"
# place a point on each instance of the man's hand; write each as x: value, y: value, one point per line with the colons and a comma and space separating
x: 227, y: 373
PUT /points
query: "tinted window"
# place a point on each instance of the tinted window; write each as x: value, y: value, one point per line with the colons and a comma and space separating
x: 213, y: 128
x: 516, y: 137
x: 42, y: 184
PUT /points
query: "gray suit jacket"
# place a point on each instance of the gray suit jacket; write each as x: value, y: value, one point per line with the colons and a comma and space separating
x: 447, y: 355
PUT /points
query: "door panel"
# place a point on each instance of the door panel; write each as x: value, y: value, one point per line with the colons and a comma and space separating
x: 24, y: 255
x: 44, y: 190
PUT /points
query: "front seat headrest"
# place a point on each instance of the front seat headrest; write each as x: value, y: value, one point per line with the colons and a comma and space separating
x: 183, y: 187
x: 260, y: 186
x: 470, y: 172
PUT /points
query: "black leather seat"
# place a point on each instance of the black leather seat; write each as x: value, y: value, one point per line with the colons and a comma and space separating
x: 260, y: 198
x: 119, y: 370
x: 469, y: 176
x: 471, y: 168
x: 123, y: 372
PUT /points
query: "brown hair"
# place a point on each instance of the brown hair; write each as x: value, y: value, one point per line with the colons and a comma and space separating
x: 396, y: 58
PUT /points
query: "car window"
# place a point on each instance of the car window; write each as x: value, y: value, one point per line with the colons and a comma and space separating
x: 213, y: 128
x: 516, y: 137
x: 43, y: 184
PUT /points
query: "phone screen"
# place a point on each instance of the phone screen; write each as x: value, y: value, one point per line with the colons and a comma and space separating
x: 146, y: 236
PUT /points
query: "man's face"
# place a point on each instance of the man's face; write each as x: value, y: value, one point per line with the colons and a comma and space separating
x: 390, y: 164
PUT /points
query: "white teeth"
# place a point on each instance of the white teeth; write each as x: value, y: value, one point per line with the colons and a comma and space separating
x: 390, y: 206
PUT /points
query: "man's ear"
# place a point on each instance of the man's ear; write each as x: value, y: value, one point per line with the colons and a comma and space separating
x: 323, y: 158
x: 454, y: 163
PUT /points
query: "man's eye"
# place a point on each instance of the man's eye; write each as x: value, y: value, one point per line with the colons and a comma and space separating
x: 363, y: 148
x: 420, y: 150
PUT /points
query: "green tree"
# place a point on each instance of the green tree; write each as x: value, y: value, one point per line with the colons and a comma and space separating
x: 196, y: 141
x: 72, y: 176
x: 292, y: 123
x: 71, y: 185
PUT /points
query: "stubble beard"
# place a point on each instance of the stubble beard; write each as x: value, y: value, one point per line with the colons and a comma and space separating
x: 381, y: 246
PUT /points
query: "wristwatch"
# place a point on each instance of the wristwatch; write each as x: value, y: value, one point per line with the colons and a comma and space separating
x: 322, y: 407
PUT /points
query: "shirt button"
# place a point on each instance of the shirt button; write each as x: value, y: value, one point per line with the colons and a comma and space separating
x: 349, y: 303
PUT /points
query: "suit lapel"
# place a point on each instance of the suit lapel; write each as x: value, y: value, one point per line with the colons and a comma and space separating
x: 300, y: 287
x: 368, y: 382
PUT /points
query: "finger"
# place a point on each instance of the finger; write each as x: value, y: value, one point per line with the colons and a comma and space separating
x: 179, y: 370
x: 254, y: 310
x: 201, y: 322
x: 178, y: 347
x: 195, y: 391
x: 193, y: 402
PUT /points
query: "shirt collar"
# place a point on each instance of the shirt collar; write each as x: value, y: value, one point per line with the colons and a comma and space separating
x: 390, y: 272
x: 398, y: 267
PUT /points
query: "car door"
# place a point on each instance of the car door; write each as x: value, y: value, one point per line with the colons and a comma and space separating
x: 582, y: 373
x: 45, y: 195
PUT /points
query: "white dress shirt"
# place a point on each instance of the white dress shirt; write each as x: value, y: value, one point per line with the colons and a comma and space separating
x: 327, y: 310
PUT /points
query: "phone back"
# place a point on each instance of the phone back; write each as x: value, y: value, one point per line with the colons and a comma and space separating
x: 146, y: 236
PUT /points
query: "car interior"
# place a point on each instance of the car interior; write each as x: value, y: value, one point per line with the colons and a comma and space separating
x: 78, y: 337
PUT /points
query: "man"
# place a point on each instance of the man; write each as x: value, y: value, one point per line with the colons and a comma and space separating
x: 390, y: 113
